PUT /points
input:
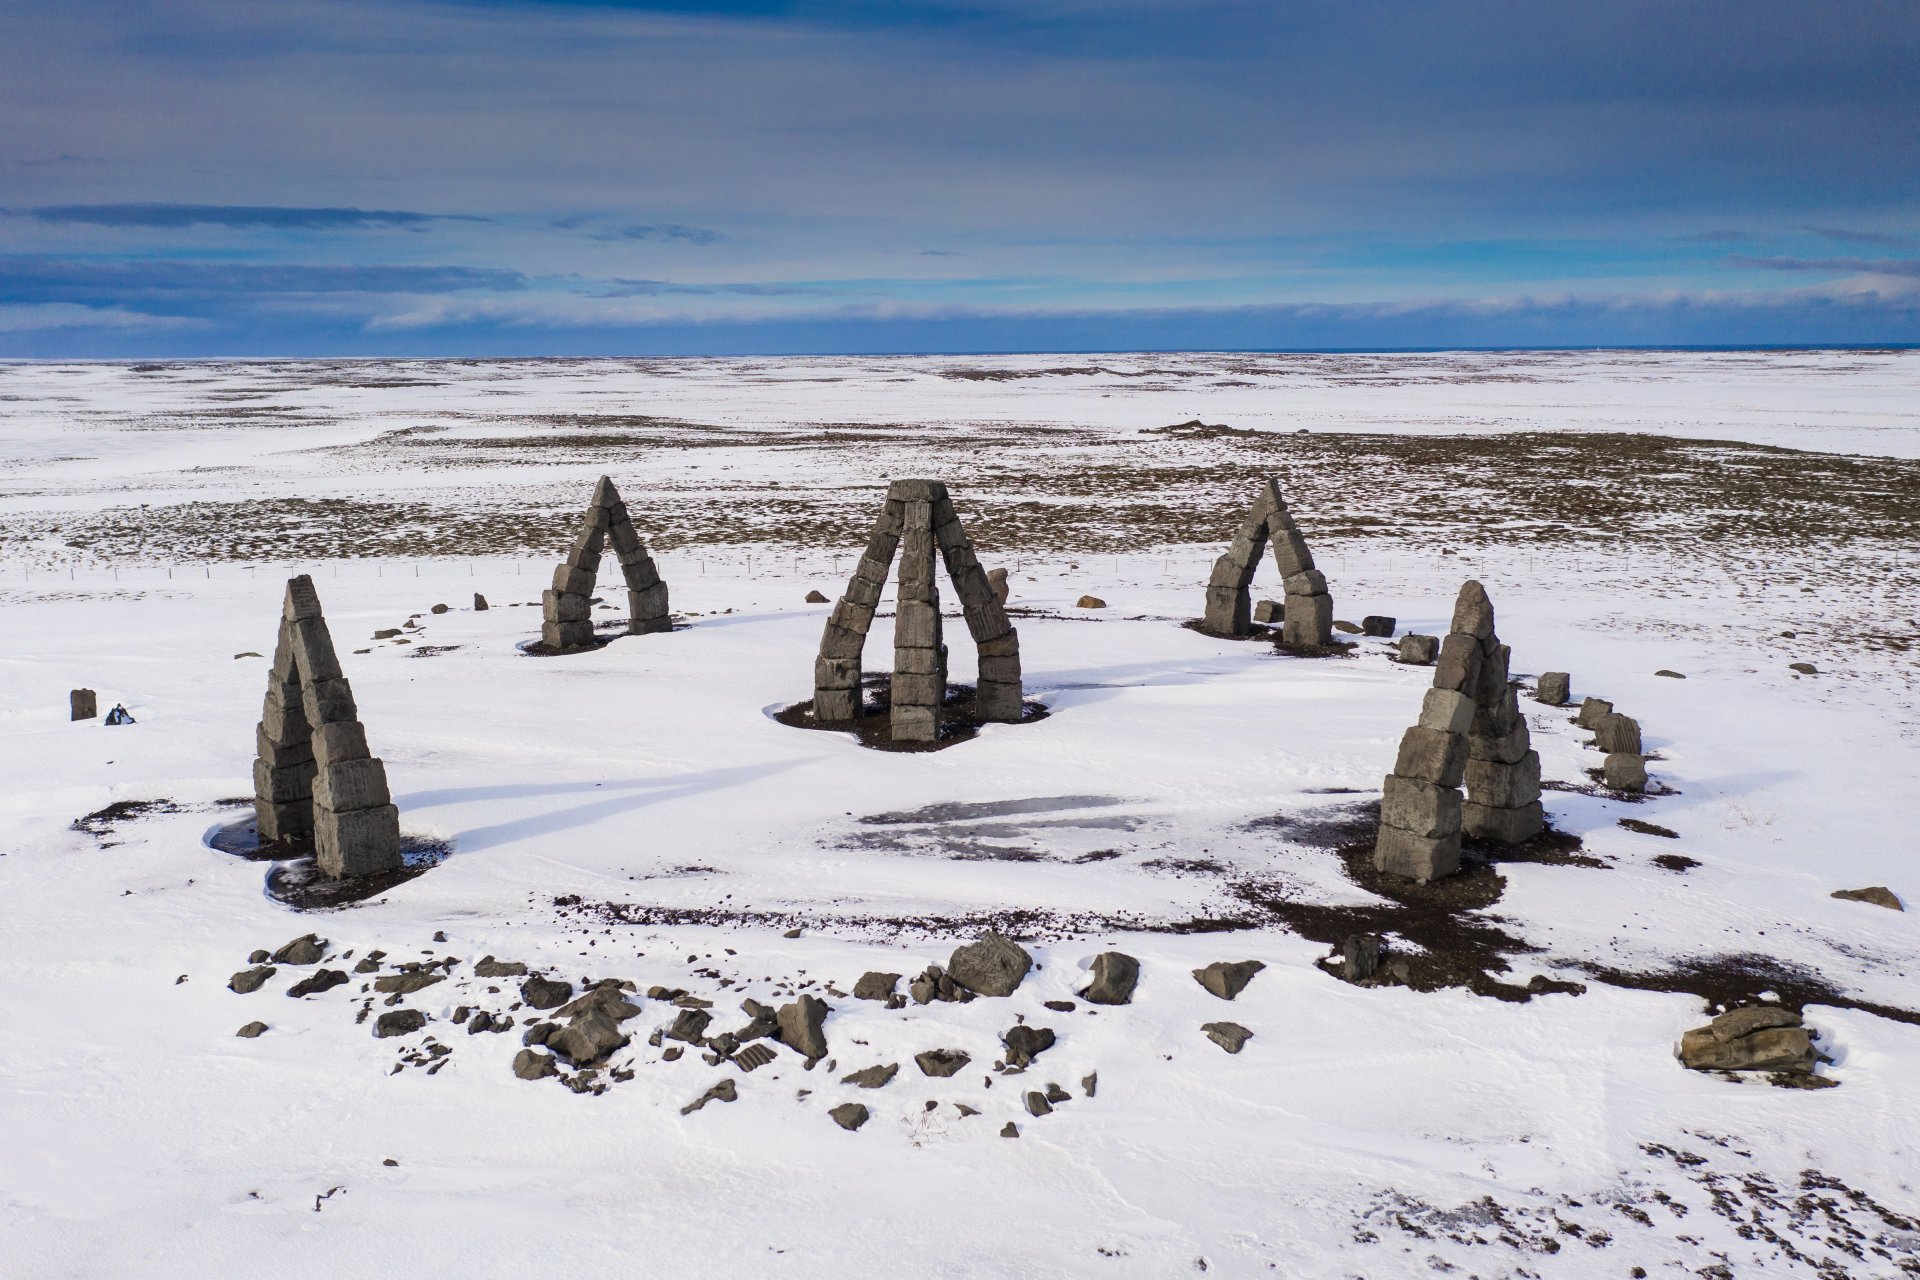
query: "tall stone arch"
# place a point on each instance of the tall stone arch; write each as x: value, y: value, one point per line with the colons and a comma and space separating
x: 917, y: 520
x: 567, y: 609
x: 313, y: 777
x: 1308, y: 618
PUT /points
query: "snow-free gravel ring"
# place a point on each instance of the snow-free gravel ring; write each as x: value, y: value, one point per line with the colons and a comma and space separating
x: 958, y: 723
x: 295, y: 881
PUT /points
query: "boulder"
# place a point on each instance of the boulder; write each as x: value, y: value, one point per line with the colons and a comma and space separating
x: 1804, y: 668
x: 439, y: 608
x: 1115, y: 974
x: 725, y: 1091
x: 491, y: 968
x: 1419, y: 651
x: 1761, y: 1038
x: 1037, y: 1105
x: 802, y: 1026
x: 479, y: 603
x: 1624, y: 771
x: 398, y: 1022
x: 1268, y: 612
x: 1025, y: 1043
x: 1228, y: 980
x: 878, y: 1077
x: 1230, y: 1036
x: 874, y: 985
x: 248, y: 981
x: 1010, y: 1130
x: 1346, y: 628
x: 1616, y: 733
x: 252, y: 1031
x: 1879, y: 895
x: 1089, y: 602
x: 941, y: 1063
x: 1592, y: 712
x: 305, y: 949
x: 323, y: 980
x: 545, y: 993
x: 1375, y: 624
x: 993, y: 966
x: 607, y: 998
x: 1671, y: 675
x: 531, y: 1064
x: 407, y: 983
x: 690, y: 1026
x: 1360, y: 957
x: 997, y: 582
x: 587, y: 1040
x: 849, y: 1115
x: 1554, y: 688
x: 82, y: 704
x: 814, y: 597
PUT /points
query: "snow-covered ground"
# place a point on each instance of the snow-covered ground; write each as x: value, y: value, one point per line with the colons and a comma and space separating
x: 637, y: 813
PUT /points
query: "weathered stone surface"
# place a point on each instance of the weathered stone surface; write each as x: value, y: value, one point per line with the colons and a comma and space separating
x: 491, y: 968
x: 316, y: 982
x: 1309, y: 621
x: 997, y: 580
x: 1360, y: 957
x: 248, y: 981
x: 327, y: 701
x: 1089, y: 602
x: 1616, y: 732
x: 836, y: 705
x: 874, y: 985
x: 690, y: 1026
x: 1554, y: 688
x: 1592, y: 712
x: 875, y: 1077
x: 816, y: 597
x: 1472, y: 611
x: 1508, y: 826
x: 1419, y: 808
x: 909, y: 722
x: 1421, y: 858
x: 479, y: 603
x: 562, y: 606
x: 566, y: 635
x: 1879, y: 895
x: 1115, y: 974
x: 1458, y: 666
x: 252, y: 1031
x: 849, y: 1115
x: 1510, y: 747
x: 1419, y: 650
x: 1230, y: 1036
x: 1504, y: 786
x: 1227, y: 979
x: 941, y: 1063
x: 1447, y: 710
x: 351, y: 784
x: 1432, y: 755
x: 1624, y: 771
x: 587, y: 1040
x: 308, y: 948
x: 545, y: 993
x: 998, y: 700
x: 1268, y: 612
x: 803, y: 1026
x: 407, y: 983
x: 335, y: 743
x: 531, y: 1064
x: 82, y: 704
x: 1375, y: 624
x: 358, y: 842
x: 993, y: 966
x: 1025, y: 1043
x: 282, y: 786
x: 398, y: 1022
x: 1308, y: 582
x: 1752, y: 1039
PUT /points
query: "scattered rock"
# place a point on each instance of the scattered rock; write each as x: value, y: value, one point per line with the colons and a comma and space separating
x: 849, y: 1115
x: 1554, y: 688
x: 491, y: 968
x: 538, y: 1032
x: 1418, y: 650
x: 1757, y: 1038
x: 690, y: 1026
x: 1617, y: 733
x: 1649, y: 828
x: 530, y: 1064
x: 1375, y: 624
x: 997, y: 580
x: 725, y: 1091
x: 1059, y: 1006
x: 814, y: 597
x: 1360, y: 957
x: 1115, y: 974
x: 324, y: 980
x: 1037, y: 1105
x: 606, y: 998
x: 439, y: 608
x: 873, y: 1077
x: 993, y: 966
x: 1879, y: 895
x: 802, y: 1026
x: 753, y: 1057
x: 545, y: 993
x: 1057, y: 1095
x: 1089, y: 602
x: 1025, y: 1043
x: 942, y: 1062
x: 1671, y: 675
x: 1268, y: 613
x: 1090, y: 1083
x: 875, y: 986
x: 1346, y: 628
x: 479, y: 603
x: 305, y: 949
x: 407, y: 983
x: 1804, y: 668
x: 792, y: 933
x: 1592, y: 712
x: 252, y: 1031
x: 248, y: 981
x: 1624, y: 771
x: 1228, y: 980
x: 588, y: 1040
x: 1230, y: 1036
x: 82, y: 704
x: 260, y: 956
x: 1010, y: 1130
x: 398, y: 1022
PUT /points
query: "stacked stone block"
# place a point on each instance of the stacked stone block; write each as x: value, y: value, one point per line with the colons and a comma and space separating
x: 917, y: 519
x: 1307, y: 618
x: 1503, y: 769
x: 314, y: 779
x: 1420, y: 808
x: 567, y: 609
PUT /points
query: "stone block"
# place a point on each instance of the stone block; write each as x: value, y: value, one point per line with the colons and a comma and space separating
x: 334, y: 743
x: 1004, y: 645
x: 837, y: 641
x: 82, y: 704
x: 872, y: 570
x: 560, y: 606
x: 849, y: 616
x: 1246, y: 548
x: 1459, y: 663
x: 574, y: 581
x: 644, y: 626
x: 651, y: 603
x: 1228, y: 573
x: 1290, y: 551
x: 1625, y: 771
x: 1309, y: 620
x: 328, y: 702
x: 1499, y: 717
x: 1420, y: 808
x: 1506, y: 826
x: 1592, y: 712
x: 1308, y: 582
x: 919, y: 662
x: 920, y: 590
x: 1418, y: 650
x: 997, y: 580
x: 640, y: 574
x: 961, y: 562
x: 604, y: 494
x: 279, y: 755
x: 919, y: 690
x: 479, y: 603
x: 1490, y: 684
x: 913, y: 722
x: 351, y: 784
x: 916, y: 625
x: 1268, y: 612
x: 566, y: 635
x: 950, y: 535
x: 906, y: 491
x: 301, y: 600
x: 998, y: 700
x: 916, y: 525
x: 1447, y: 710
x: 863, y: 592
x: 313, y: 649
x: 1006, y: 670
x: 598, y: 517
x: 586, y: 548
x: 1422, y: 858
x: 357, y: 842
x: 286, y: 666
x: 1553, y: 688
x: 288, y: 821
x: 626, y: 540
x: 283, y: 785
x: 836, y: 673
x: 1431, y: 755
x: 1505, y: 748
x: 1617, y: 733
x: 1504, y: 786
x: 1227, y: 613
x: 1376, y: 624
x: 1473, y: 611
x: 986, y: 620
x: 835, y: 705
x: 284, y: 716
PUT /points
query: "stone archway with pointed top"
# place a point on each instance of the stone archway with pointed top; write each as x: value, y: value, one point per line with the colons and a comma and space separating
x: 1307, y: 616
x: 917, y: 521
x: 313, y: 777
x: 567, y: 608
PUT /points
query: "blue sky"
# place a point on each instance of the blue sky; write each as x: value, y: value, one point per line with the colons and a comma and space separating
x: 343, y: 177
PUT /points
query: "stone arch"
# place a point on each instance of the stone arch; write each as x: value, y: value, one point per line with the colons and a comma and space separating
x: 313, y: 777
x: 567, y: 609
x: 1307, y: 620
x: 917, y: 519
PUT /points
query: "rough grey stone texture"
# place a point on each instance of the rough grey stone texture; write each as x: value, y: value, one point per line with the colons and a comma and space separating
x: 1227, y: 979
x: 1508, y: 826
x: 531, y: 1064
x: 1421, y: 858
x: 1878, y: 895
x: 398, y: 1022
x: 1504, y: 785
x: 1554, y: 688
x: 545, y: 993
x: 1447, y: 710
x: 308, y: 948
x: 1309, y: 621
x: 1025, y: 1043
x: 1432, y: 755
x: 849, y: 1115
x: 1616, y: 733
x: 874, y: 985
x: 248, y: 981
x: 1115, y: 974
x: 803, y: 1026
x: 1230, y: 1036
x: 1375, y: 624
x: 313, y: 775
x: 1268, y: 612
x: 942, y: 1062
x: 82, y: 704
x: 1419, y: 650
x: 993, y: 966
x: 1624, y: 771
x: 1592, y: 712
x: 875, y: 1077
x: 1420, y: 808
x: 1751, y: 1039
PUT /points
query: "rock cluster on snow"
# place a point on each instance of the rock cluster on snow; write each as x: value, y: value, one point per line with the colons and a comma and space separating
x: 1756, y: 1038
x: 566, y: 609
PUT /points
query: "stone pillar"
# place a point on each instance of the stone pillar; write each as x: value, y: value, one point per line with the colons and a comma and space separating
x: 1503, y: 770
x: 836, y: 671
x: 1420, y: 807
x: 82, y: 704
x: 567, y: 609
x: 999, y: 693
x: 313, y: 775
x: 919, y: 656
